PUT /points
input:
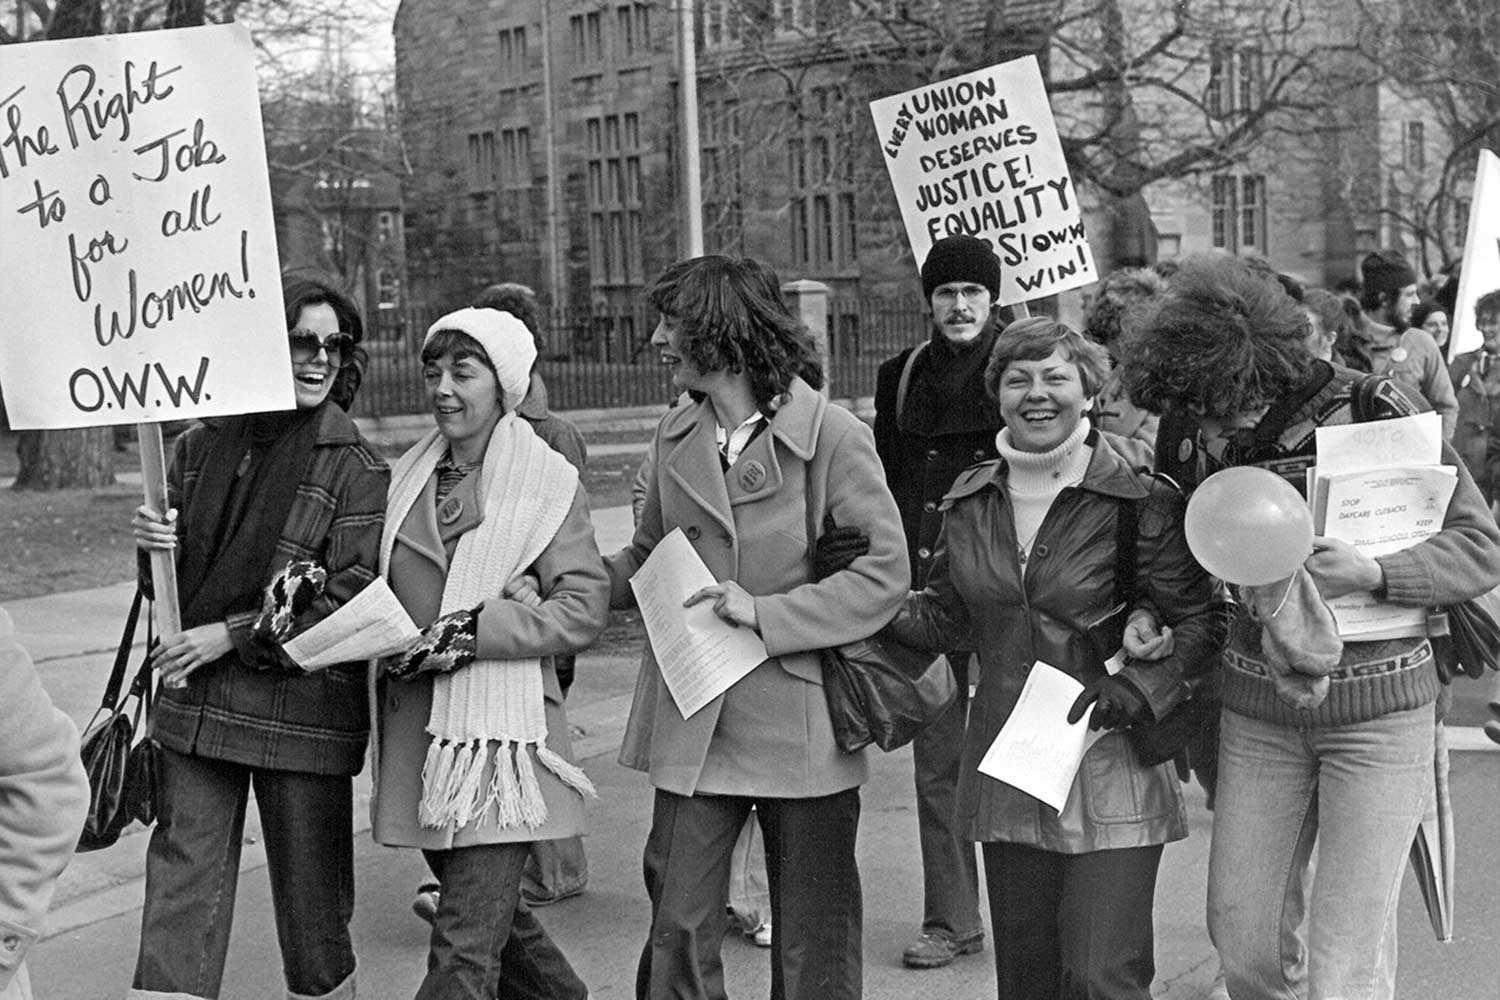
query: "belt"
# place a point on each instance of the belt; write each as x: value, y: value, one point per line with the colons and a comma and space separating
x: 1347, y: 671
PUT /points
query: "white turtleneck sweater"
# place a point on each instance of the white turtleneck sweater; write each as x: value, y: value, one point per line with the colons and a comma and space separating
x: 1034, y: 479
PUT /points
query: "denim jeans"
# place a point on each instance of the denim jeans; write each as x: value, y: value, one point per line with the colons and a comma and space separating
x: 1355, y: 791
x: 817, y: 911
x: 193, y: 866
x: 950, y: 873
x: 484, y: 945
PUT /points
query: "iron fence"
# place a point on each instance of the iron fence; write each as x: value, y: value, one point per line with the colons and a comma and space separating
x: 603, y: 358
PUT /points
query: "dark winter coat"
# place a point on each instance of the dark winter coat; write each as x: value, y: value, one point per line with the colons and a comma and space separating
x: 253, y: 706
x: 920, y: 468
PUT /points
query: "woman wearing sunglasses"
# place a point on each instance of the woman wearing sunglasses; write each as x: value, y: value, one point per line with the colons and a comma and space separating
x: 289, y: 505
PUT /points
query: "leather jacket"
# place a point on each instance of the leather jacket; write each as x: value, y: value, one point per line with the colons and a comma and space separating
x: 979, y: 598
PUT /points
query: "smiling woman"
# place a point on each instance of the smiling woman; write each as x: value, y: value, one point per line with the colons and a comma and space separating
x: 473, y: 760
x: 288, y: 502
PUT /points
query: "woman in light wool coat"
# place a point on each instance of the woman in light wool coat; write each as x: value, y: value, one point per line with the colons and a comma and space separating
x: 43, y: 798
x: 743, y: 472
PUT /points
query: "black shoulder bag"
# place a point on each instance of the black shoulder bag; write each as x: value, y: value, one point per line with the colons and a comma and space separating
x: 122, y: 770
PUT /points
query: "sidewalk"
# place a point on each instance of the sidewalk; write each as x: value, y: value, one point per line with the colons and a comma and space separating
x: 89, y: 946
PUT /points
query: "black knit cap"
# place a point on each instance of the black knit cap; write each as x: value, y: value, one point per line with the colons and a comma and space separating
x: 961, y: 258
x: 1386, y: 271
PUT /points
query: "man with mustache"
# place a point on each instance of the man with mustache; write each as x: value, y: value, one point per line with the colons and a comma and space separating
x: 933, y: 419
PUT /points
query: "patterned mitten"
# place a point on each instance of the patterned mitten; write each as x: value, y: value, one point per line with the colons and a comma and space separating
x: 288, y: 595
x: 444, y: 646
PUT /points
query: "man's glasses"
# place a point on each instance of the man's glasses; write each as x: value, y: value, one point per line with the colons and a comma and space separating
x: 306, y: 344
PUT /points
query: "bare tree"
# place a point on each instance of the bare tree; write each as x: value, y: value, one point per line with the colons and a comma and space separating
x: 1442, y: 58
x: 1143, y: 92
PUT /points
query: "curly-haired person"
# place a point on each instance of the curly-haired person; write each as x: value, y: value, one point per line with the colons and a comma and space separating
x: 744, y: 468
x: 1353, y: 772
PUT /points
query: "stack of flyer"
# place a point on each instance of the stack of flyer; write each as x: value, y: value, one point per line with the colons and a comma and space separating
x: 1380, y: 486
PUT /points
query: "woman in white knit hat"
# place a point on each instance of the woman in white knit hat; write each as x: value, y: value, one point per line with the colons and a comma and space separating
x: 472, y: 752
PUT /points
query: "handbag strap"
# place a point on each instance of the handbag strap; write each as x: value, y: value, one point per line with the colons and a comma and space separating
x: 122, y: 655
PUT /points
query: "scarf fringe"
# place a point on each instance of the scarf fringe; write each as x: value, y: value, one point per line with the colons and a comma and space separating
x: 453, y: 777
x: 533, y: 804
x: 568, y: 773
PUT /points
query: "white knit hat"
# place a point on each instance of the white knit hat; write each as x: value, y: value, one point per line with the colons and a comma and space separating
x: 510, y: 347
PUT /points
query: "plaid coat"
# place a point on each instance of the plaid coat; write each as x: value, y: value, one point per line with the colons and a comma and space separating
x: 254, y: 706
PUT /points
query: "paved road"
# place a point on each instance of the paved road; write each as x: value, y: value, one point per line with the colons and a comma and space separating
x: 89, y: 950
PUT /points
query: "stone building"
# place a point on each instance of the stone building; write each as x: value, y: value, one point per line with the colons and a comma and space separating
x: 542, y: 138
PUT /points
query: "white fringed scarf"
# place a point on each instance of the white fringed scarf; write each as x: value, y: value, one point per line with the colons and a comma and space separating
x: 527, y: 489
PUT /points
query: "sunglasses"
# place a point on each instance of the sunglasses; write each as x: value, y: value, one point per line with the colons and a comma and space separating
x: 306, y: 344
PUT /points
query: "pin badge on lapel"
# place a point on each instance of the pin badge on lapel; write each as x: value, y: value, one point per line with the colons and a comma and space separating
x: 752, y: 476
x: 450, y: 510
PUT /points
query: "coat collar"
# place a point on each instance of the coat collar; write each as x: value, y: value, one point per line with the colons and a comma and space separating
x: 534, y: 406
x: 795, y: 425
x: 1108, y: 474
x: 691, y: 453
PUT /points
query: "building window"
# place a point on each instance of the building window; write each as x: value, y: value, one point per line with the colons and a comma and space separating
x: 1413, y: 146
x: 1253, y: 214
x: 587, y: 32
x: 1461, y: 207
x: 385, y: 227
x: 387, y: 289
x: 481, y: 161
x: 633, y: 30
x: 1236, y: 79
x: 723, y: 189
x: 723, y: 22
x: 1237, y: 212
x: 820, y: 178
x: 615, y: 195
x: 512, y: 54
x: 515, y: 157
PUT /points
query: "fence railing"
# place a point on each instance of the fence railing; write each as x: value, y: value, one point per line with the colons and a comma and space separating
x: 602, y: 359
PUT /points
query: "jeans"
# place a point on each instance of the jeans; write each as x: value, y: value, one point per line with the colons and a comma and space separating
x: 950, y: 874
x: 193, y: 866
x: 817, y: 910
x: 1357, y: 792
x: 1072, y: 926
x: 483, y: 944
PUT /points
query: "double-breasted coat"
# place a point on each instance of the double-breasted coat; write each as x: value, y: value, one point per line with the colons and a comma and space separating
x: 980, y: 596
x: 571, y: 615
x: 769, y: 735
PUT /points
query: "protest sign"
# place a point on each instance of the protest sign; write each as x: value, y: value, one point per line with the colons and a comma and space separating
x: 1481, y: 265
x: 142, y: 282
x: 978, y: 154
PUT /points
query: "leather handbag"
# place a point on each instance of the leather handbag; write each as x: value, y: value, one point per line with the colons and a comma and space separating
x: 1466, y: 636
x: 882, y: 692
x: 122, y: 770
x: 878, y: 690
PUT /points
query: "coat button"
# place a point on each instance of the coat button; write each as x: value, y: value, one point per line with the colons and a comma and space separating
x: 932, y: 453
x: 924, y: 553
x: 10, y: 942
x: 692, y: 532
x: 395, y: 703
x: 979, y: 454
x: 930, y: 506
x: 728, y: 542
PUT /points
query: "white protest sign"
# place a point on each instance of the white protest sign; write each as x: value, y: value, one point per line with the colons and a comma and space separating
x: 1480, y: 273
x: 978, y: 154
x: 137, y: 239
